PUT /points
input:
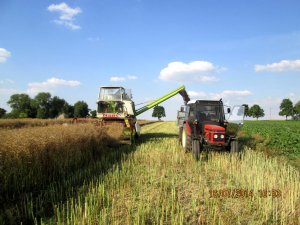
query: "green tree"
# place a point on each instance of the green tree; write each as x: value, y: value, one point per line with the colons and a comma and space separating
x: 286, y: 108
x: 247, y: 111
x: 20, y: 105
x: 297, y: 109
x: 2, y: 112
x: 42, y: 103
x: 93, y: 113
x: 56, y: 107
x: 256, y: 111
x: 159, y: 112
x: 68, y: 110
x: 81, y: 109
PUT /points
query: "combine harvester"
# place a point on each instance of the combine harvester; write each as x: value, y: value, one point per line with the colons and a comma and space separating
x: 115, y: 105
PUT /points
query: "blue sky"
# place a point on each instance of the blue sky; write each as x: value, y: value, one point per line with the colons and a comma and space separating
x: 245, y: 52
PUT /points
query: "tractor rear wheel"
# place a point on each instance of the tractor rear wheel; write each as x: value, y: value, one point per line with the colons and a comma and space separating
x: 185, y: 140
x: 234, y: 146
x: 196, y: 149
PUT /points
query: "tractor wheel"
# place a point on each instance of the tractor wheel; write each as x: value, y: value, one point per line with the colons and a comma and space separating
x: 206, y: 153
x: 136, y: 136
x: 234, y: 146
x: 196, y: 149
x: 180, y: 135
x: 185, y: 140
x: 133, y: 137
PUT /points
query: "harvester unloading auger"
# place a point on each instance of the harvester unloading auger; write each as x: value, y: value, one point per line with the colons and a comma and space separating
x: 115, y: 105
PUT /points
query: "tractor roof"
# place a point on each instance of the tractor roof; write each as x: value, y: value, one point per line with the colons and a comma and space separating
x: 205, y: 101
x: 111, y: 87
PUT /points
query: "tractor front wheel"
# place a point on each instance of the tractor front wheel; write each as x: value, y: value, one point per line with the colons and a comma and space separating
x: 234, y: 146
x: 196, y: 149
x: 185, y: 140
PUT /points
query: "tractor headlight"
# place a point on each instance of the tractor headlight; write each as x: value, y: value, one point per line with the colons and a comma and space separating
x: 215, y: 136
x: 222, y: 136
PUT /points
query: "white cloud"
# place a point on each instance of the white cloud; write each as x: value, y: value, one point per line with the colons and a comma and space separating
x: 283, y: 65
x: 7, y: 81
x: 8, y: 91
x: 50, y: 84
x: 4, y: 55
x: 68, y: 24
x: 131, y: 77
x: 196, y: 94
x: 67, y: 15
x: 117, y: 79
x: 196, y: 71
x: 122, y: 79
x: 228, y: 94
x: 292, y: 94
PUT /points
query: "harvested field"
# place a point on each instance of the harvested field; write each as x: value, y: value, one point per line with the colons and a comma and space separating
x: 154, y: 182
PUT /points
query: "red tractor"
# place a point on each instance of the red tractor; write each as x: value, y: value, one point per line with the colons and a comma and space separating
x: 203, y: 126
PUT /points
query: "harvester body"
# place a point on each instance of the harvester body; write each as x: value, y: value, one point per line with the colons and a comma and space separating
x: 203, y: 125
x: 115, y: 105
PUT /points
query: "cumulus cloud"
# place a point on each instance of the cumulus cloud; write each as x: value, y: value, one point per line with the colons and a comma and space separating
x: 283, y: 65
x: 4, y: 55
x: 227, y: 94
x: 131, y: 77
x: 7, y: 81
x: 8, y: 91
x: 66, y: 15
x: 230, y: 94
x: 193, y: 94
x: 50, y: 84
x: 117, y: 79
x: 122, y: 79
x: 196, y: 71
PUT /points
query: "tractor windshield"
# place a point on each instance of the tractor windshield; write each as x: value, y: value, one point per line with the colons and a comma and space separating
x: 209, y: 112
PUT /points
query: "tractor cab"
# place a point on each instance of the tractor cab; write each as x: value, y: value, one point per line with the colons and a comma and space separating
x: 211, y: 112
x: 202, y: 112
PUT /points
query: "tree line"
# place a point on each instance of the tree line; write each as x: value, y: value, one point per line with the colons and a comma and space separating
x: 286, y: 109
x: 44, y: 106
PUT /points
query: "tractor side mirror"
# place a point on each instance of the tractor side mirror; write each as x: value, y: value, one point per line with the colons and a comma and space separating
x: 228, y: 110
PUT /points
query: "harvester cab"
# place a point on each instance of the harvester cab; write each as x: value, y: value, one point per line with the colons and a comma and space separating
x: 203, y: 125
x: 115, y: 102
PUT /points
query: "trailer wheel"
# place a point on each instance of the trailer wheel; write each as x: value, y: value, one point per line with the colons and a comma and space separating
x: 234, y: 146
x: 196, y: 149
x: 185, y: 140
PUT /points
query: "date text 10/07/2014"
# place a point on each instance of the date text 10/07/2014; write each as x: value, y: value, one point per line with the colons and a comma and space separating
x: 244, y: 193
